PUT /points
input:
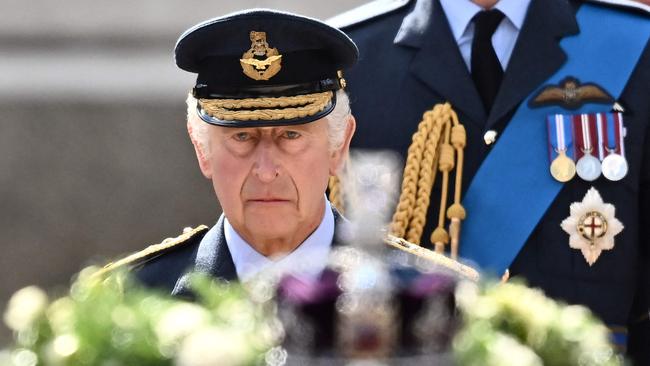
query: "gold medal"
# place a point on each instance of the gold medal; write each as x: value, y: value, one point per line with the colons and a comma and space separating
x: 563, y: 169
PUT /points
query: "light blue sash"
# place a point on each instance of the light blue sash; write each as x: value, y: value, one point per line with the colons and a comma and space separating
x: 513, y: 187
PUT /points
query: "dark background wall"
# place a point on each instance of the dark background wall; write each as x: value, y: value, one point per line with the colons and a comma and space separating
x: 94, y: 158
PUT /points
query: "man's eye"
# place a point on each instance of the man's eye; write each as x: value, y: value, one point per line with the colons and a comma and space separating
x: 242, y: 136
x: 291, y: 135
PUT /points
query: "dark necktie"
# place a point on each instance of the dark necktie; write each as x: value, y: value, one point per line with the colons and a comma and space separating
x: 486, y: 68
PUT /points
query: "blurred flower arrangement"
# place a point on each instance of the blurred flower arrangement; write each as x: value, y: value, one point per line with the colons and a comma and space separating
x: 511, y: 324
x: 116, y: 322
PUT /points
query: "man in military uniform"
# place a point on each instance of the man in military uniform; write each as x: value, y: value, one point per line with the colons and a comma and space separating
x: 270, y: 123
x: 538, y: 85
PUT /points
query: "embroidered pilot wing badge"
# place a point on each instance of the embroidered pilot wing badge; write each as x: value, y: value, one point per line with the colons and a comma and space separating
x: 571, y: 94
x: 261, y: 61
x: 592, y: 226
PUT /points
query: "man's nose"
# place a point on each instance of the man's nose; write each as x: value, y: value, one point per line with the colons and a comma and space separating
x: 266, y: 168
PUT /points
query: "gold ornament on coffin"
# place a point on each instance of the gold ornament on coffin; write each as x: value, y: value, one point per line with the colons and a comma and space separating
x: 261, y: 61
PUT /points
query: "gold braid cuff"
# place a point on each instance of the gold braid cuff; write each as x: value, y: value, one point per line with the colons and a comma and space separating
x: 267, y: 109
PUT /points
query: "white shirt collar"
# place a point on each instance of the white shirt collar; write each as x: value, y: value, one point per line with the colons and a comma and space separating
x: 460, y: 13
x: 309, y: 258
x: 514, y: 10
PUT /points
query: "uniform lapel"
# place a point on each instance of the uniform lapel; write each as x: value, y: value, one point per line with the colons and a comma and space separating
x: 340, y: 225
x: 438, y: 62
x: 537, y: 54
x: 213, y: 258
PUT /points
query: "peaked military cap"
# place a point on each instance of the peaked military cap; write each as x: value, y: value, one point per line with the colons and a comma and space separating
x: 265, y: 68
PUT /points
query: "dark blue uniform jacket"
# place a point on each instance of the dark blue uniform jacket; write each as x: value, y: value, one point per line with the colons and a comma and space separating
x: 409, y: 61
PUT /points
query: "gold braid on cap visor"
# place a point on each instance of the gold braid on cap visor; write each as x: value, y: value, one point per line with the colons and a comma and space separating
x: 266, y: 109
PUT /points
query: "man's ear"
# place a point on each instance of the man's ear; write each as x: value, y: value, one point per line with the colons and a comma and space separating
x: 338, y: 156
x: 200, y: 150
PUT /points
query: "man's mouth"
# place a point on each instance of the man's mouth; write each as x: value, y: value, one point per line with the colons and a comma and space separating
x: 268, y: 200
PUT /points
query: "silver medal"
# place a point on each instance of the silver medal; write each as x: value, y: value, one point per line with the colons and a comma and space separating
x: 588, y: 167
x: 614, y: 167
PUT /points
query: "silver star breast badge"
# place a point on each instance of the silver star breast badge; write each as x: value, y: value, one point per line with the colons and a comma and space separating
x: 592, y: 226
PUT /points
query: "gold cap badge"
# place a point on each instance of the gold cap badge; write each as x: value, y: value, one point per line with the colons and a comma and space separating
x: 261, y: 61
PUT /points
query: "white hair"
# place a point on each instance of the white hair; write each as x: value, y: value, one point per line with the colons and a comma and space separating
x: 337, y: 122
x: 338, y: 119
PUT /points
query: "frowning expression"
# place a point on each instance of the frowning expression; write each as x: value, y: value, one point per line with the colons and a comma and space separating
x: 270, y: 181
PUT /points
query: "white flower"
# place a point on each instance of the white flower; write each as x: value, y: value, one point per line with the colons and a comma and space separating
x: 65, y: 345
x: 5, y: 358
x: 506, y: 351
x: 24, y: 307
x: 466, y: 294
x: 592, y: 211
x: 214, y: 346
x: 179, y: 321
x: 61, y: 314
x: 124, y: 317
x: 24, y: 357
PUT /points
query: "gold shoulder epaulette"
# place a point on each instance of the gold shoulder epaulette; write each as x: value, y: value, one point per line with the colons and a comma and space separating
x: 152, y: 250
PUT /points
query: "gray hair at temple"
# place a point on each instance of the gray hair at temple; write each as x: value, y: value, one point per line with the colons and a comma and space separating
x: 337, y: 121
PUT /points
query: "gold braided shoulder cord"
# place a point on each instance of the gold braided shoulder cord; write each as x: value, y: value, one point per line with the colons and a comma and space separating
x: 445, y: 140
x: 426, y: 176
x: 336, y: 194
x: 404, y: 212
x: 437, y: 145
x: 271, y: 108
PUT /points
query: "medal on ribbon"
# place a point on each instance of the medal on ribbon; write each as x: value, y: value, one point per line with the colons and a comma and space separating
x: 560, y: 133
x: 611, y: 134
x: 588, y: 166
